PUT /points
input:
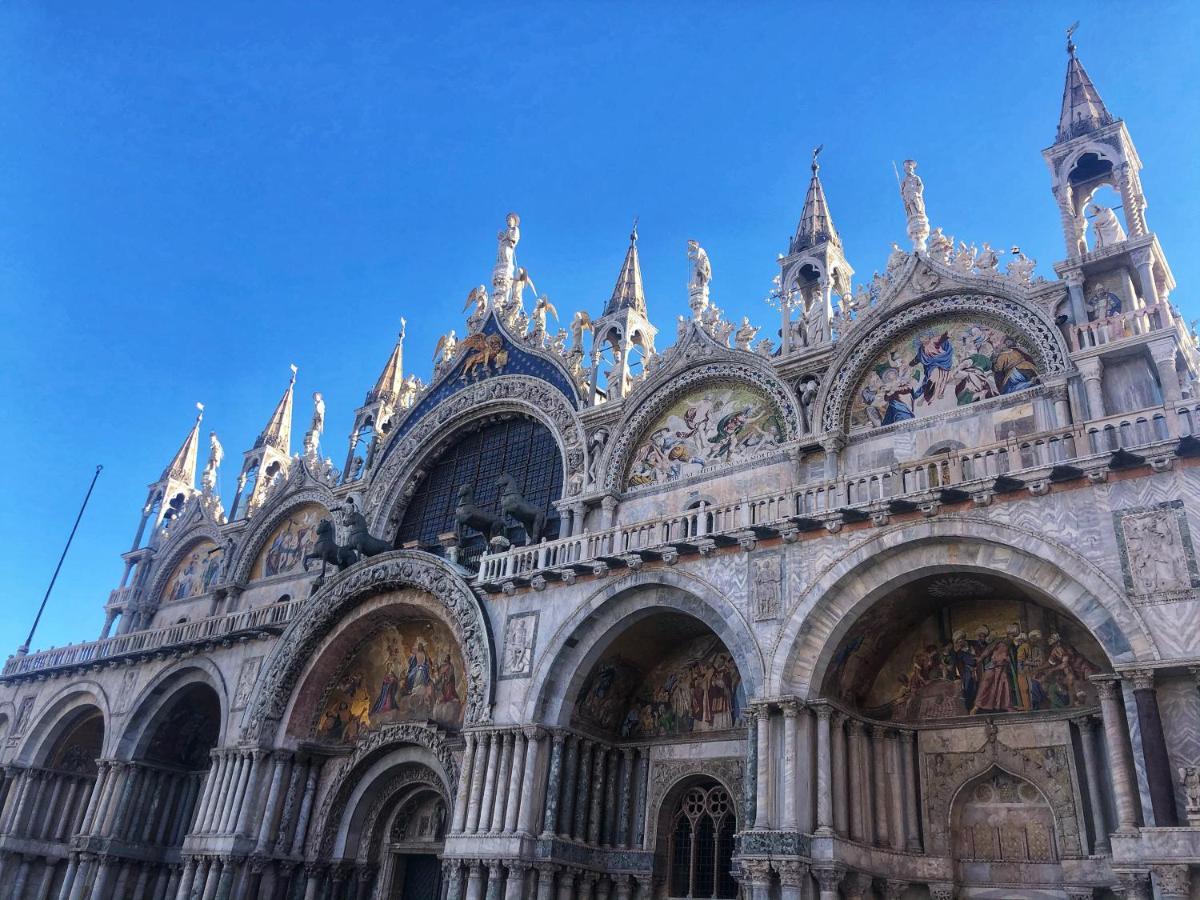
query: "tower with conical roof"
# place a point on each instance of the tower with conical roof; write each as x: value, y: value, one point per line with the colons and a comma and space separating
x: 812, y: 273
x: 624, y: 332
x: 268, y: 459
x: 373, y: 419
x: 1115, y: 268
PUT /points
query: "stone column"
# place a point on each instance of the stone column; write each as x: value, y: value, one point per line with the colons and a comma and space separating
x: 255, y: 768
x: 1092, y: 371
x: 854, y: 776
x: 545, y: 883
x: 912, y: 779
x: 829, y: 877
x: 490, y: 779
x: 824, y: 770
x: 566, y: 814
x: 1074, y: 280
x: 881, y: 792
x: 211, y: 791
x: 459, y: 819
x: 793, y: 878
x: 474, y: 803
x: 241, y: 799
x: 271, y: 811
x: 758, y: 874
x: 637, y: 833
x: 832, y: 445
x: 514, y: 888
x: 288, y: 817
x: 493, y: 880
x: 1133, y: 885
x: 115, y: 793
x: 516, y: 784
x: 302, y: 820
x: 566, y: 885
x: 504, y: 780
x: 89, y: 813
x: 1087, y: 737
x: 1143, y: 261
x: 475, y: 881
x: 534, y: 739
x: 610, y: 798
x: 1154, y: 749
x: 1119, y: 755
x: 1173, y: 882
x: 583, y: 791
x: 453, y: 871
x: 762, y: 775
x: 598, y: 788
x: 1163, y: 354
x: 624, y: 808
x: 896, y: 777
x: 839, y: 768
x: 788, y: 819
x: 553, y: 781
x: 1061, y: 398
x: 624, y: 885
x: 185, y: 880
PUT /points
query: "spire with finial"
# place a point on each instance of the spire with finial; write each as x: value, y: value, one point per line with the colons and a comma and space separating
x: 628, y: 293
x: 183, y: 465
x: 1082, y: 109
x: 816, y: 223
x: 387, y: 386
x: 278, y: 431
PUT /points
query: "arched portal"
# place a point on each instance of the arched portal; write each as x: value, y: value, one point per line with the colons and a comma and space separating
x: 696, y: 826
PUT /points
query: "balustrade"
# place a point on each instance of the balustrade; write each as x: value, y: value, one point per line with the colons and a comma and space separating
x: 1133, y: 323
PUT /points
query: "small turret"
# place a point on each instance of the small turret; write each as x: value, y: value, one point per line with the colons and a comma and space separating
x: 373, y: 419
x: 624, y: 333
x: 268, y: 459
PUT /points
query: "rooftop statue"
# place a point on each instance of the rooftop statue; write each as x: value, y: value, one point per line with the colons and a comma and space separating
x: 940, y: 245
x: 1108, y: 227
x: 446, y: 346
x: 912, y: 192
x: 318, y: 417
x: 506, y: 254
x: 581, y: 323
x: 360, y: 539
x: 216, y: 453
x: 514, y: 504
x: 326, y: 549
x: 468, y: 515
x: 987, y: 259
x: 698, y: 279
x: 479, y: 297
x: 540, y: 308
x: 745, y: 335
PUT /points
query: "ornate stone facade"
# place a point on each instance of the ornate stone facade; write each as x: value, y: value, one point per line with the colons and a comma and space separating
x: 904, y: 607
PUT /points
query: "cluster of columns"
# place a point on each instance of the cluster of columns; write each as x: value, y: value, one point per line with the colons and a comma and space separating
x: 866, y: 779
x: 498, y: 782
x: 493, y: 879
x: 595, y: 792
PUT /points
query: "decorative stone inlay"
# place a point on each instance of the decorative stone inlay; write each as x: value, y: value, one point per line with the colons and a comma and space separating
x: 321, y: 613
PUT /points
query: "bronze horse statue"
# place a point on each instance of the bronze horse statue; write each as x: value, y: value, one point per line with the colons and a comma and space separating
x: 514, y: 504
x: 361, y: 541
x: 468, y: 515
x: 326, y: 549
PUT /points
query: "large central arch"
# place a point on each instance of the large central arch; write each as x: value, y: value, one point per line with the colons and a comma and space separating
x: 825, y: 612
x: 340, y: 597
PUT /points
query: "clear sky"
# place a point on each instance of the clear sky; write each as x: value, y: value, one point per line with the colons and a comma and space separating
x: 193, y: 198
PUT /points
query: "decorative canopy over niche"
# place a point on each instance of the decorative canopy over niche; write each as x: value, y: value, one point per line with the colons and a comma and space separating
x: 952, y: 646
x: 284, y: 551
x: 195, y: 573
x: 943, y: 364
x: 408, y: 670
x: 667, y: 676
x: 715, y: 424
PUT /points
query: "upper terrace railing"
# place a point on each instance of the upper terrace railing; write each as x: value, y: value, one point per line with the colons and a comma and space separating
x: 898, y: 488
x: 1133, y: 323
x: 201, y: 630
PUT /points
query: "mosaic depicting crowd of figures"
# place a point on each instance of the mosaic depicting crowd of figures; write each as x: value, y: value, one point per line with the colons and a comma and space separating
x: 694, y: 690
x: 403, y: 671
x: 966, y: 647
x: 291, y: 541
x: 945, y: 364
x: 715, y: 425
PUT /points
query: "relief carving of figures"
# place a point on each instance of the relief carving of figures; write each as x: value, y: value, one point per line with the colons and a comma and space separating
x: 1156, y: 552
x: 519, y: 635
x: 767, y: 586
x: 596, y: 444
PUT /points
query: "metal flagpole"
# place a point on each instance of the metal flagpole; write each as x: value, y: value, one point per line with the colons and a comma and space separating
x: 24, y: 648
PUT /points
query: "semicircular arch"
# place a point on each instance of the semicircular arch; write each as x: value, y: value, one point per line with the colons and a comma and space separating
x: 884, y: 326
x: 674, y: 383
x: 157, y: 696
x: 824, y: 613
x: 600, y: 619
x: 263, y: 524
x: 177, y: 551
x: 428, y: 438
x: 321, y: 616
x: 57, y: 715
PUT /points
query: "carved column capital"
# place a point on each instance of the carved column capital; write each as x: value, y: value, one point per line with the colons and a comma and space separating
x: 1091, y: 368
x: 757, y: 870
x: 1142, y: 679
x: 792, y: 872
x: 941, y: 890
x: 1106, y: 688
x: 894, y: 888
x: 1173, y: 882
x: 791, y: 708
x: 829, y: 876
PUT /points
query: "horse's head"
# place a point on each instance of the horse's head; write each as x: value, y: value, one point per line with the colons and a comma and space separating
x: 506, y: 483
x: 324, y: 527
x: 466, y: 493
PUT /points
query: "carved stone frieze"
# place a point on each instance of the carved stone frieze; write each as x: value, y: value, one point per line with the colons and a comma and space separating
x: 1158, y: 558
x: 320, y: 614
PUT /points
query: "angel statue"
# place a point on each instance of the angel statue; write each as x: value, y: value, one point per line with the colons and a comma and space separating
x: 912, y: 191
x: 516, y: 304
x: 940, y: 245
x: 540, y: 308
x: 444, y: 351
x: 896, y: 258
x: 216, y: 453
x: 745, y: 334
x: 479, y: 297
x: 581, y: 323
x: 964, y: 260
x: 507, y: 239
x: 987, y: 258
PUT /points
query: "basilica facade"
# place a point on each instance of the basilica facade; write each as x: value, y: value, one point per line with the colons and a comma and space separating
x: 899, y: 599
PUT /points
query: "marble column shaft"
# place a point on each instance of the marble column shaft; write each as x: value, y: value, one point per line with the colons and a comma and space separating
x: 583, y: 791
x: 270, y: 814
x: 1087, y: 741
x: 854, y: 777
x: 553, y: 780
x: 534, y: 742
x: 839, y: 767
x: 1119, y: 755
x: 624, y: 806
x: 475, y: 801
x: 789, y: 820
x: 504, y: 782
x: 908, y: 767
x: 305, y: 815
x: 610, y: 798
x: 516, y: 783
x: 896, y: 792
x: 824, y: 770
x: 762, y: 781
x: 598, y: 786
x: 490, y: 777
x: 1154, y: 749
x: 466, y: 776
x: 881, y: 791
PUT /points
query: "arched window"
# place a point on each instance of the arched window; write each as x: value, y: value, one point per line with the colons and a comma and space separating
x: 522, y: 448
x: 701, y: 844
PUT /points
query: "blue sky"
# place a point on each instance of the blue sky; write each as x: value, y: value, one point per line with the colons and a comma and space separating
x: 193, y: 198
